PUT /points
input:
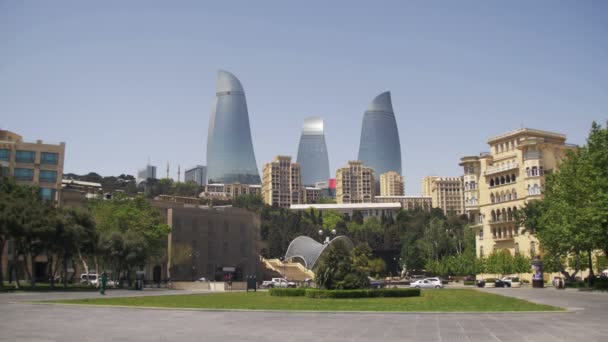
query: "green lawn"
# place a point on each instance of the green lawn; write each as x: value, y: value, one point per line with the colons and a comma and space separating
x: 447, y: 300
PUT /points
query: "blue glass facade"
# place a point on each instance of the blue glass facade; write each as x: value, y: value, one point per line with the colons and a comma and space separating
x: 48, y: 176
x: 49, y: 158
x: 312, y: 153
x: 25, y: 156
x: 379, y: 147
x: 230, y: 156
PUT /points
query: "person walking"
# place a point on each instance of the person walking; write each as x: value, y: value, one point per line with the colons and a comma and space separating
x: 103, y: 279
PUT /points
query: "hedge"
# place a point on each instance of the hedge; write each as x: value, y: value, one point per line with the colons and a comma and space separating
x: 601, y: 284
x: 282, y: 292
x: 336, y: 294
x: 469, y: 282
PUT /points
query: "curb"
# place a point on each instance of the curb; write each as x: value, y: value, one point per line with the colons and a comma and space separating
x: 564, y: 311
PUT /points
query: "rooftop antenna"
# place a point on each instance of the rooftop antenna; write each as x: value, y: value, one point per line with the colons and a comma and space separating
x: 178, y: 173
x: 167, y: 170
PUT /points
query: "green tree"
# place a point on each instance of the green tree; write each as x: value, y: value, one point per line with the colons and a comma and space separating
x: 335, y: 270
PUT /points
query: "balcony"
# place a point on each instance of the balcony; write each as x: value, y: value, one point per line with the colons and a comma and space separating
x: 506, y: 237
x: 496, y: 169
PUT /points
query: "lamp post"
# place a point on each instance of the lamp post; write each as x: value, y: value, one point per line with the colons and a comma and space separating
x: 321, y: 232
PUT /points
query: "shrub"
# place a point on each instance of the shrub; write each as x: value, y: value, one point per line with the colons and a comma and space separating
x: 299, y: 292
x: 469, y: 282
x: 337, y: 294
x: 601, y: 284
x: 490, y: 280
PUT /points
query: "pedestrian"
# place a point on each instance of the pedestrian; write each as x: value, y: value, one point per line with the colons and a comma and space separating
x: 103, y: 279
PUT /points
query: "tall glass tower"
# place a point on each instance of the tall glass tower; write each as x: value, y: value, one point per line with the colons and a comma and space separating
x: 380, y: 148
x: 312, y: 152
x: 230, y: 156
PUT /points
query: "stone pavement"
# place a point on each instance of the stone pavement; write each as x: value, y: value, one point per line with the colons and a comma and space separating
x: 587, y: 321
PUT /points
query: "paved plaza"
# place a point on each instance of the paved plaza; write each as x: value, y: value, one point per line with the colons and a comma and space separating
x: 587, y: 320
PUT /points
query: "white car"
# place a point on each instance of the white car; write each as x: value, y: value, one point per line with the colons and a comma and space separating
x: 508, y: 280
x: 427, y: 283
x: 93, y: 279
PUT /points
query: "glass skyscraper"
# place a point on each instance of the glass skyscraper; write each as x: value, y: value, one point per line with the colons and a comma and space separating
x: 230, y: 156
x: 379, y: 147
x: 312, y: 152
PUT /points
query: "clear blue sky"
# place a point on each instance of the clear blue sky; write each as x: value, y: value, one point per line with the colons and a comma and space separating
x: 121, y: 81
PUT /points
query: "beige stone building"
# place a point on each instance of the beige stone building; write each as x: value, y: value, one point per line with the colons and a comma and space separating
x: 355, y: 183
x: 33, y: 163
x: 224, y: 191
x: 391, y: 184
x: 312, y: 194
x: 282, y: 183
x: 445, y: 192
x: 499, y: 183
x: 30, y: 163
x: 407, y: 202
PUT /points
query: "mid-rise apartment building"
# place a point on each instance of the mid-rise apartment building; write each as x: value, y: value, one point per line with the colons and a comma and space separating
x: 391, y: 184
x: 499, y: 183
x: 230, y: 190
x: 282, y: 183
x: 355, y: 183
x: 33, y: 163
x: 407, y: 202
x: 445, y: 192
x: 197, y: 174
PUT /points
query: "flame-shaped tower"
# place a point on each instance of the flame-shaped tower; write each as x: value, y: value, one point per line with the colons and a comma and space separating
x: 312, y: 152
x: 379, y: 147
x: 230, y: 156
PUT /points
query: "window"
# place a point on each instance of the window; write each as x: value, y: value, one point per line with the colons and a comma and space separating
x: 24, y: 174
x: 25, y: 156
x: 5, y: 154
x: 481, y: 251
x: 481, y: 234
x: 49, y: 158
x: 48, y: 176
x: 532, y: 249
x: 517, y: 248
x: 4, y: 171
x: 47, y: 194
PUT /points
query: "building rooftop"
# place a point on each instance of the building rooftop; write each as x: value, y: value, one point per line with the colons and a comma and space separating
x: 81, y: 183
x: 362, y: 206
x: 404, y: 197
x: 527, y: 131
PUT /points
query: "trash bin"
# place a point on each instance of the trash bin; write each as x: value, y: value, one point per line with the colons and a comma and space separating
x: 252, y: 283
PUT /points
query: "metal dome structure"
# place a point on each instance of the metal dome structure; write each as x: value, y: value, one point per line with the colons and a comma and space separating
x: 310, y: 250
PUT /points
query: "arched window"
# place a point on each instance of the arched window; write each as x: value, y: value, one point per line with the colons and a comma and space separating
x: 481, y: 251
x: 497, y: 181
x: 503, y: 197
x: 517, y: 248
x: 535, y: 190
x: 534, y: 171
x: 508, y: 196
x: 498, y: 216
x: 513, y: 177
x: 514, y: 194
x: 502, y: 180
x: 492, y: 199
x: 527, y: 171
x: 509, y: 214
x: 493, y: 213
x: 473, y: 185
x: 540, y: 171
x: 491, y: 182
x: 504, y: 214
x: 466, y: 185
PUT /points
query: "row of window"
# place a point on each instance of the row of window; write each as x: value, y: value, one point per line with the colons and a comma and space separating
x: 47, y: 158
x: 532, y: 249
x: 503, y: 215
x: 503, y: 196
x: 45, y: 176
x: 503, y: 180
x: 472, y: 185
x: 534, y: 171
x: 506, y: 146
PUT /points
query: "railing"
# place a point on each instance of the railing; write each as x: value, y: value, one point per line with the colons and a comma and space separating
x: 495, y: 169
x: 504, y: 237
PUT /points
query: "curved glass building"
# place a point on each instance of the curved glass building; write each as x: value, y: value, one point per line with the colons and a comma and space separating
x: 380, y: 148
x: 230, y: 156
x: 312, y: 152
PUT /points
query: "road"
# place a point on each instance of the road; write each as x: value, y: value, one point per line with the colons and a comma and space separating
x: 587, y: 320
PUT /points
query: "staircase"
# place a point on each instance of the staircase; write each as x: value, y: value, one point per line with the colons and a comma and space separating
x: 292, y: 271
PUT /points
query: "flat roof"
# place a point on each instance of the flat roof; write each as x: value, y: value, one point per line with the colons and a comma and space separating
x: 77, y: 182
x: 530, y: 131
x: 362, y: 206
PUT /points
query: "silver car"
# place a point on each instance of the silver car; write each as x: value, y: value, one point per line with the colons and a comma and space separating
x: 427, y: 283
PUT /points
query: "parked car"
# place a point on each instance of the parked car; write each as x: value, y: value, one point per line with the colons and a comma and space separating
x: 501, y: 283
x: 376, y: 284
x: 93, y: 279
x: 427, y: 283
x: 510, y: 280
x: 278, y: 282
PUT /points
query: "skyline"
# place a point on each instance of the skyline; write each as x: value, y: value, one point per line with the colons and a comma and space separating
x: 121, y: 83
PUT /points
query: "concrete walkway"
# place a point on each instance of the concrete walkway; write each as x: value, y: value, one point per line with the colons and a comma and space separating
x: 27, y: 322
